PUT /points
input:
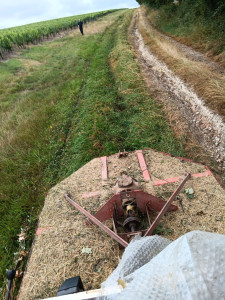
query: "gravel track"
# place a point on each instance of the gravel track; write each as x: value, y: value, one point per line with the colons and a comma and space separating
x: 191, y: 53
x: 207, y: 126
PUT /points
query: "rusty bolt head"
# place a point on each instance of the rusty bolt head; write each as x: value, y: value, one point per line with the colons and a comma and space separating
x: 125, y: 181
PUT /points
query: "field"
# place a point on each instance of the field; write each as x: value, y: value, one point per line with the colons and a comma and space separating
x: 68, y: 98
x: 63, y: 103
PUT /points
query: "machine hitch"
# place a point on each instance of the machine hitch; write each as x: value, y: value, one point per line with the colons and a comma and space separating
x: 127, y: 204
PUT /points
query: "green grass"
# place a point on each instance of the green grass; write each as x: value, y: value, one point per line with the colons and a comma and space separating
x: 40, y: 117
x: 143, y: 118
x: 115, y: 110
x: 204, y: 31
x: 68, y: 101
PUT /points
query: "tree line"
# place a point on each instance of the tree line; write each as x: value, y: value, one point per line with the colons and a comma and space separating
x: 207, y: 8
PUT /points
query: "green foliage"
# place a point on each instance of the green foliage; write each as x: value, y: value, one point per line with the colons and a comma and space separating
x: 143, y: 122
x: 155, y: 3
x: 161, y: 229
x: 206, y: 8
x: 202, y: 21
x: 31, y: 33
x: 30, y: 160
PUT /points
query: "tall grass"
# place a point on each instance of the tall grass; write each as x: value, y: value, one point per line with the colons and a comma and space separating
x: 196, y: 24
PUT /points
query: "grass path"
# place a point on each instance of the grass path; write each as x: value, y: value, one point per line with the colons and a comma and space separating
x: 63, y: 103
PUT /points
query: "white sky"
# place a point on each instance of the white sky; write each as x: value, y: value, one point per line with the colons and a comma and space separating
x: 19, y: 12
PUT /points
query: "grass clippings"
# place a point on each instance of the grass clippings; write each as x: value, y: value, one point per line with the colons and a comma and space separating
x: 58, y: 253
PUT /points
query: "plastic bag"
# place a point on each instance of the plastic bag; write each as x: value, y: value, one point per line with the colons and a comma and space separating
x: 192, y: 267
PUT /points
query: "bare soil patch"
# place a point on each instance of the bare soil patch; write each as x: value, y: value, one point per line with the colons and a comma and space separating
x: 29, y: 63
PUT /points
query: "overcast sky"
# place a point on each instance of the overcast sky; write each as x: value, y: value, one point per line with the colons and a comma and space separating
x: 19, y: 12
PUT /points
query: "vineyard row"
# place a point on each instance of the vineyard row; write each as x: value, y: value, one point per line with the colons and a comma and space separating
x: 35, y: 32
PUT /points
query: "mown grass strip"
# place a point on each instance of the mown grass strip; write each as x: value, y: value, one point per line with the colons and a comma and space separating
x: 96, y: 127
x: 116, y: 110
x: 146, y: 124
x: 34, y: 133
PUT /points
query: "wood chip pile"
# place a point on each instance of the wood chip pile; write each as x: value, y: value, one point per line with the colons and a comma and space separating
x: 65, y: 246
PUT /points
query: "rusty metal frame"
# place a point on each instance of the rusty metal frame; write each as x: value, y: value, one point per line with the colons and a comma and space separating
x: 115, y: 236
x: 107, y: 210
x: 122, y: 238
x: 148, y: 216
x: 168, y: 203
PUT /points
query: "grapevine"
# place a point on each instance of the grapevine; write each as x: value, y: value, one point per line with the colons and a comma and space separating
x: 35, y: 32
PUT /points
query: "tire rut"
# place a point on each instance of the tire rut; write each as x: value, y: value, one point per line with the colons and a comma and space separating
x: 207, y: 127
x: 188, y: 51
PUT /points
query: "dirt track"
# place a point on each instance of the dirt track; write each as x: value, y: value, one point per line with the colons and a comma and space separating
x: 189, y: 112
